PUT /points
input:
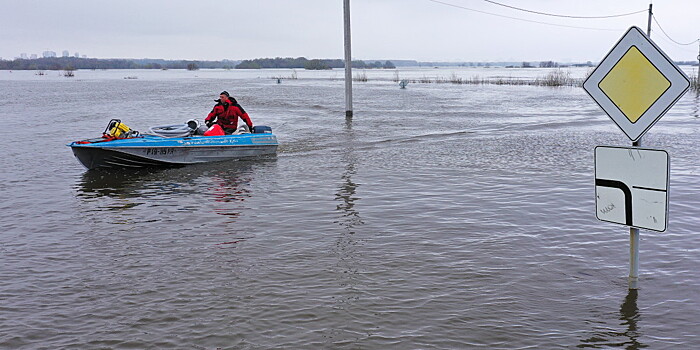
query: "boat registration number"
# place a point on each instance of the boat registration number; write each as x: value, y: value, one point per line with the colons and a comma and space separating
x: 161, y: 151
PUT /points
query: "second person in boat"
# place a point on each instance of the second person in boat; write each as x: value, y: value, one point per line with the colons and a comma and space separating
x: 226, y: 113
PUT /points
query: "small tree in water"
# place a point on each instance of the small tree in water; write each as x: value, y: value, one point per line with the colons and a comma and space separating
x: 69, y: 72
x: 556, y: 78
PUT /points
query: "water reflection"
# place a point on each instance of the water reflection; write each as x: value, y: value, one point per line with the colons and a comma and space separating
x: 223, y: 179
x: 347, y: 193
x: 629, y: 315
x: 220, y: 188
x: 114, y: 183
x: 122, y: 187
x: 228, y: 191
x: 347, y: 247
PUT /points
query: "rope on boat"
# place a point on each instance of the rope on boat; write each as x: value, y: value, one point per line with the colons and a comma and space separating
x: 176, y: 130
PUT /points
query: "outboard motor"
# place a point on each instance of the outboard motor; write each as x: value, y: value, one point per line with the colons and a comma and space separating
x: 201, y: 130
x: 261, y: 129
x: 197, y: 128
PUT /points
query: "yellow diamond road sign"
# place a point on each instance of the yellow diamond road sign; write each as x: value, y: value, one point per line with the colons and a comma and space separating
x: 636, y: 83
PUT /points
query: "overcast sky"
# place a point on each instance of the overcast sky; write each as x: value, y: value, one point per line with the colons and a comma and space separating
x: 423, y: 30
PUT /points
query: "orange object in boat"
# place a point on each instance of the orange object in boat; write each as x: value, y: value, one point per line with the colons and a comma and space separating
x: 215, y: 130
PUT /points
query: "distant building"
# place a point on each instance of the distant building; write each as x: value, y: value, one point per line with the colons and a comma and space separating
x: 33, y: 56
x: 76, y: 55
x: 66, y: 53
x: 84, y: 56
x: 23, y: 56
x: 48, y: 54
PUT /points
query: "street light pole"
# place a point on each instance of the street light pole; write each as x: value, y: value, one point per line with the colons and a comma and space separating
x: 348, y: 60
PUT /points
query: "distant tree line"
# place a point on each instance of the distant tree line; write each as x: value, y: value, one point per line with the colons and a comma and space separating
x: 69, y: 63
x: 375, y: 64
x: 72, y: 63
x: 278, y: 62
x: 302, y: 62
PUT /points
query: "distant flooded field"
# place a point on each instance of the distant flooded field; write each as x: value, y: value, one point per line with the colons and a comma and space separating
x: 441, y: 216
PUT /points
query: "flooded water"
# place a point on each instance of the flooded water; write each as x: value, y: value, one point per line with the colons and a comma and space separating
x: 441, y: 216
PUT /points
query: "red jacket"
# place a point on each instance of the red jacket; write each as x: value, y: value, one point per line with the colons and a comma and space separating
x: 227, y: 114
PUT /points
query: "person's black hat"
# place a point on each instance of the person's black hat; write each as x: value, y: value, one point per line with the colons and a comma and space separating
x: 222, y: 93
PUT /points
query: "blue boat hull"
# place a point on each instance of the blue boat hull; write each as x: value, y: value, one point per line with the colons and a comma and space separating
x: 157, y: 151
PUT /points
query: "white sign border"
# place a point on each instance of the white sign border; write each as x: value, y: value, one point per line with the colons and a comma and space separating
x: 679, y: 83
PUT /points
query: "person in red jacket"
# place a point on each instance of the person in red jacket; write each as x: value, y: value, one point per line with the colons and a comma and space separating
x: 226, y: 113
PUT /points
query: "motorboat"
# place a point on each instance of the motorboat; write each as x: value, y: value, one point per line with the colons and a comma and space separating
x: 170, y: 146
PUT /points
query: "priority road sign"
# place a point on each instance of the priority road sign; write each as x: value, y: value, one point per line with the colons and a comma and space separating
x: 636, y: 83
x: 631, y: 186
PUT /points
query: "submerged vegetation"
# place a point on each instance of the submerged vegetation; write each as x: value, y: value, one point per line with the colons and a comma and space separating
x: 362, y: 77
x: 695, y: 82
x: 69, y: 72
x: 557, y: 77
x: 293, y: 76
x: 554, y: 78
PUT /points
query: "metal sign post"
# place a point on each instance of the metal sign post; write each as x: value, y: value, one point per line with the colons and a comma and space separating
x: 633, y: 279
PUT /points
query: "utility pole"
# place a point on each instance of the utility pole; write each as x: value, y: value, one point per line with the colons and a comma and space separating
x: 348, y: 61
x: 649, y: 22
x: 633, y: 278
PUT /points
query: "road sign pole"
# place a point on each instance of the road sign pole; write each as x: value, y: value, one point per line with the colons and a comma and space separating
x: 633, y: 279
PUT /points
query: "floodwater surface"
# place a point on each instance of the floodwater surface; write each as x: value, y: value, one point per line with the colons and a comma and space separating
x: 441, y: 216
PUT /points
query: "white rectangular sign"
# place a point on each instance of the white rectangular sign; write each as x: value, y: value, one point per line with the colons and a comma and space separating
x: 631, y: 186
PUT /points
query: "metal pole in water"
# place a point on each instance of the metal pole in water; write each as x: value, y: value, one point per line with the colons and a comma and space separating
x: 348, y: 60
x: 633, y: 278
x: 634, y: 259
